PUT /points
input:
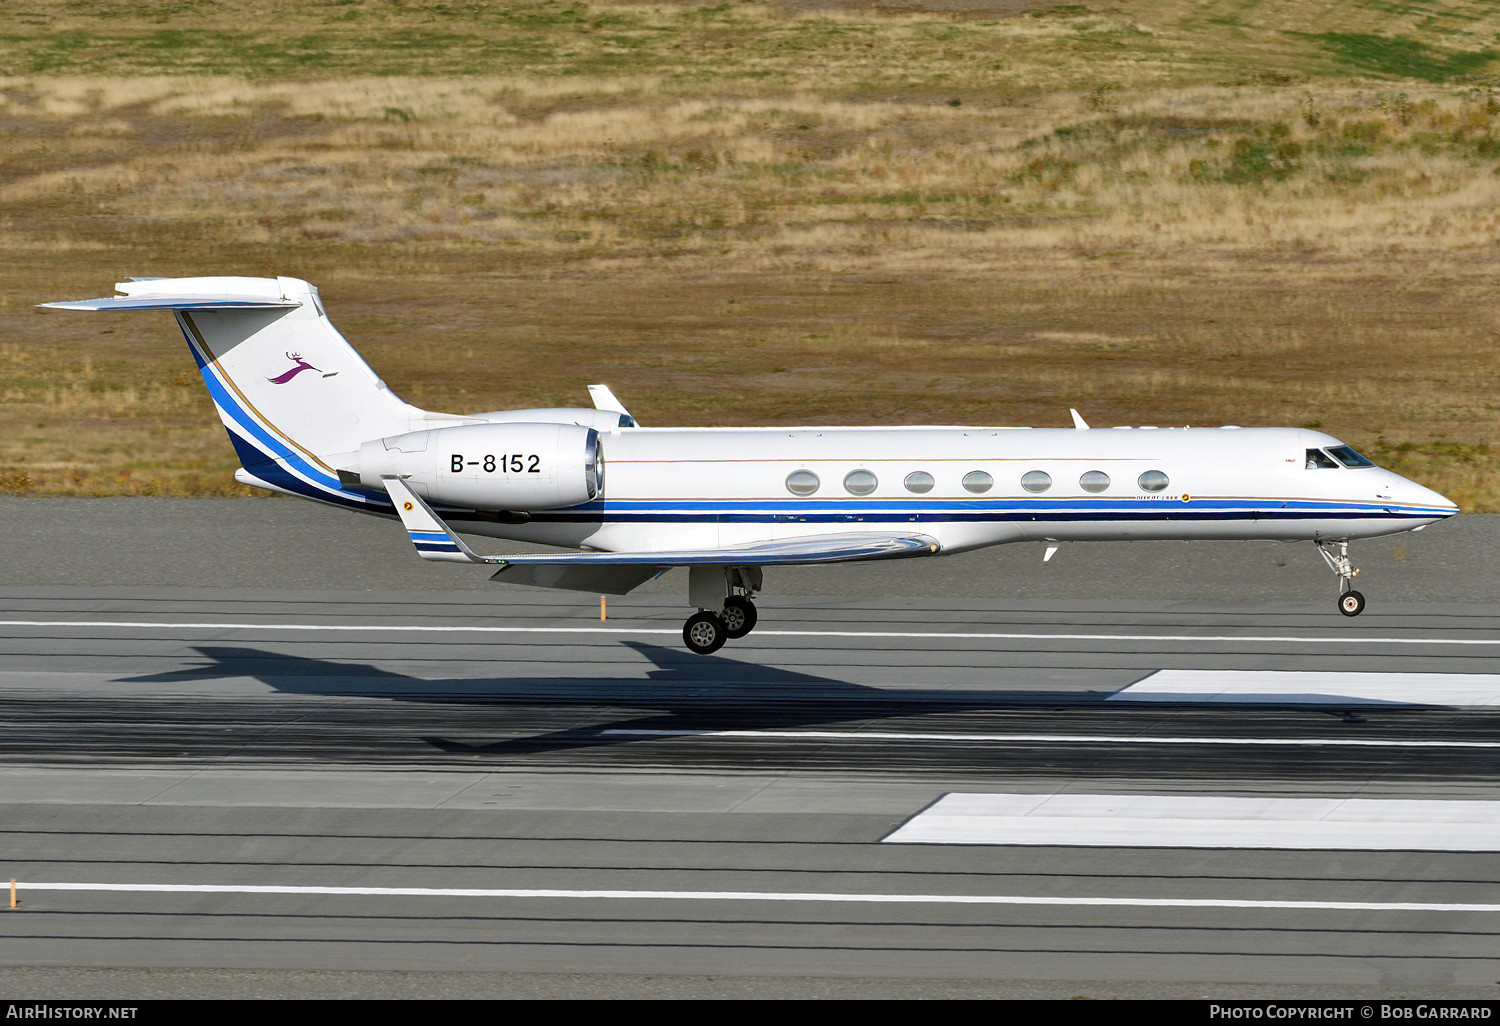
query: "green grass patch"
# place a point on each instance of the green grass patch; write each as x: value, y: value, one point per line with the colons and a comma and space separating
x: 1405, y: 8
x: 1401, y: 57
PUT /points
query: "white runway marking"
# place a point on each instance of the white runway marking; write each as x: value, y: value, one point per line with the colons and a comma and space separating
x: 1167, y: 821
x: 1102, y: 739
x: 1300, y: 687
x: 23, y: 887
x: 333, y: 628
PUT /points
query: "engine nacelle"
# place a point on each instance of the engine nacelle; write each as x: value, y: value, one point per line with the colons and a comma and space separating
x: 492, y: 466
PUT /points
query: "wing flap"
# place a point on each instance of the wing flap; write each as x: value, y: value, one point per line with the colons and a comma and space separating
x: 600, y: 580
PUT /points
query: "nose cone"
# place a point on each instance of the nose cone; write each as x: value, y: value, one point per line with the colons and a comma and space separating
x: 1421, y: 503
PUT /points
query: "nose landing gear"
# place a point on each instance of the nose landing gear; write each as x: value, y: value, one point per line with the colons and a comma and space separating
x: 1350, y: 602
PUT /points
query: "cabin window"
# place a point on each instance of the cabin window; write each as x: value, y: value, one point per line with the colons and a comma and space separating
x: 1317, y: 459
x: 859, y: 482
x: 802, y: 482
x: 1152, y: 481
x: 1348, y: 457
x: 919, y: 482
x: 1036, y: 480
x: 977, y: 481
x: 1094, y: 481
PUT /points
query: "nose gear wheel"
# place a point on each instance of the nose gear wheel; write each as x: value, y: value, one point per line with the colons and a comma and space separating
x: 1336, y: 555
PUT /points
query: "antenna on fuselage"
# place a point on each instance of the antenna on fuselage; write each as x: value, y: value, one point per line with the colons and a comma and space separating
x: 1078, y: 421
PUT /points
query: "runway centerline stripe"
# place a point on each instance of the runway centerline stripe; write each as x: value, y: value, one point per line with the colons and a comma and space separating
x: 1328, y: 639
x: 1099, y: 739
x: 787, y: 896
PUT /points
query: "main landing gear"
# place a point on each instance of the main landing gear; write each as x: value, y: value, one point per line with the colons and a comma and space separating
x: 725, y: 612
x: 1351, y: 602
x: 704, y: 632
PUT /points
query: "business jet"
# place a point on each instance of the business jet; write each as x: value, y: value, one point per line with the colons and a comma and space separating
x: 308, y: 417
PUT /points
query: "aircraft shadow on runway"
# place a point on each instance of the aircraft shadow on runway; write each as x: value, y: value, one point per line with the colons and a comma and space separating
x: 525, y: 717
x: 692, y: 693
x: 679, y: 693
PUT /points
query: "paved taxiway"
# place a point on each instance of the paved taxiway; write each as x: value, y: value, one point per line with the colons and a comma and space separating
x: 611, y: 806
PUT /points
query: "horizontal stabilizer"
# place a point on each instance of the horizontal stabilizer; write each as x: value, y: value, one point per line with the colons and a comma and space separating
x: 223, y: 293
x: 170, y: 303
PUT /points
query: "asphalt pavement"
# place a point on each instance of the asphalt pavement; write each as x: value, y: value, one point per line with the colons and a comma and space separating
x: 440, y: 787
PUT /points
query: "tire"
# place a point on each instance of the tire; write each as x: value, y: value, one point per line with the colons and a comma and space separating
x: 704, y: 633
x: 1351, y: 603
x: 739, y: 616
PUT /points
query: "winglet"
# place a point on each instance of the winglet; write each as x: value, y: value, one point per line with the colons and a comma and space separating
x: 433, y: 538
x: 605, y: 400
x: 1077, y: 420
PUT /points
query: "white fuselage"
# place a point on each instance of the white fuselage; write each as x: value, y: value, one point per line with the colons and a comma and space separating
x: 676, y: 488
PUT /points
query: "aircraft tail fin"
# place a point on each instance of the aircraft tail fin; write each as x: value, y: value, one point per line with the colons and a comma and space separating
x: 292, y: 393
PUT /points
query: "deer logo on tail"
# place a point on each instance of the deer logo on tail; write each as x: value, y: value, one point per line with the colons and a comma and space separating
x: 301, y: 365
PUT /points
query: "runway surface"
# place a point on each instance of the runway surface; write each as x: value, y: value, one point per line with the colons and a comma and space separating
x: 280, y: 790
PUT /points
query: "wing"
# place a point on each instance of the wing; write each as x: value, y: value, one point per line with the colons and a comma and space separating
x: 607, y: 571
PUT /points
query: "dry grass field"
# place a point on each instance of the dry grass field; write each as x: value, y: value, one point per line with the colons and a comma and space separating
x: 945, y: 211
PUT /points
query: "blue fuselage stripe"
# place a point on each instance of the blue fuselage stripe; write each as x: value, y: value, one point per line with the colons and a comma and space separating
x: 968, y: 513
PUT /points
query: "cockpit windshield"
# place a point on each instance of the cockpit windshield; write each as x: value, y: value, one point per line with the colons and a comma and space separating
x: 1317, y: 459
x: 1348, y: 457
